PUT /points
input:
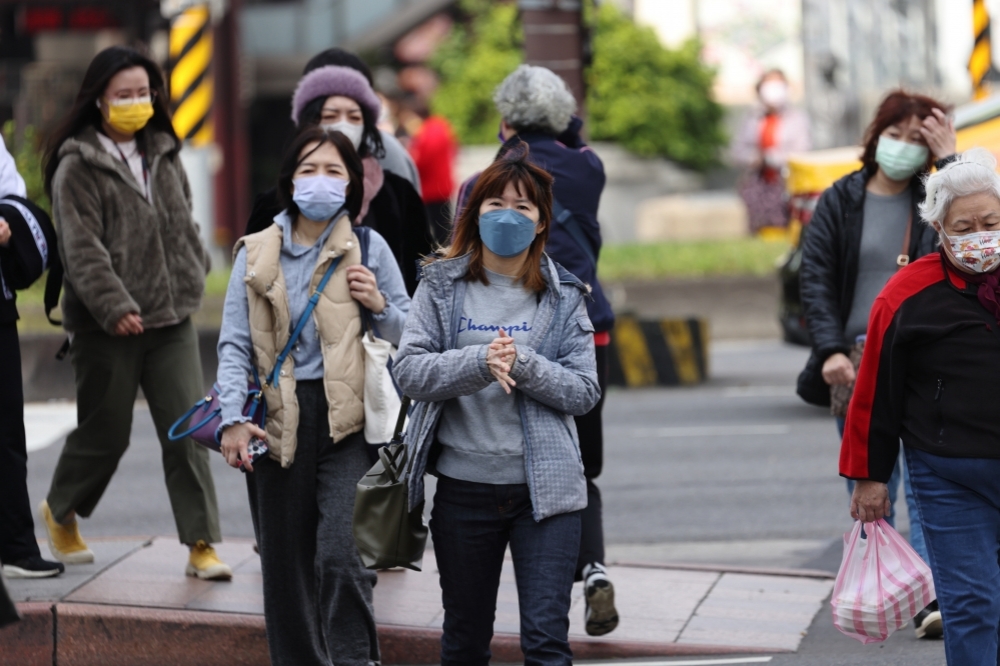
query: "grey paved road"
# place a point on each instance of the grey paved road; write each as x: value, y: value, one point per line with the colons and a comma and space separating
x: 738, y: 471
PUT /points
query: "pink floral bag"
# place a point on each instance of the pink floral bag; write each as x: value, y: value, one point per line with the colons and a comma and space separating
x: 881, y: 585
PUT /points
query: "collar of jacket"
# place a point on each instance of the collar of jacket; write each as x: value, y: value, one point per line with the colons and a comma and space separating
x: 265, y: 270
x: 452, y: 270
x: 89, y: 148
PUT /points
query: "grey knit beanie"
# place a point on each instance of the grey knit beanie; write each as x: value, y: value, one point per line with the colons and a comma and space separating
x: 535, y: 98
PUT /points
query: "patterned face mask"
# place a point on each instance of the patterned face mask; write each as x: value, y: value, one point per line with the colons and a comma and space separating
x: 977, y: 252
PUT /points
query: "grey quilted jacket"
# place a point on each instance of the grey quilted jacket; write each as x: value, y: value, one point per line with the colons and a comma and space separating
x: 556, y: 377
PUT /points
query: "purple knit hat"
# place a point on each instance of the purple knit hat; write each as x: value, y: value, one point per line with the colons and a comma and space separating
x: 335, y: 80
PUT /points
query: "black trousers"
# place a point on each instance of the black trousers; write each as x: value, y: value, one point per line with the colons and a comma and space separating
x: 591, y: 432
x: 317, y: 592
x: 17, y: 529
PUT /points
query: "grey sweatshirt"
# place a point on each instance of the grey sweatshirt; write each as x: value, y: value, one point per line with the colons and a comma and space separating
x: 481, y: 435
x: 884, y: 226
x: 297, y: 264
x: 556, y: 377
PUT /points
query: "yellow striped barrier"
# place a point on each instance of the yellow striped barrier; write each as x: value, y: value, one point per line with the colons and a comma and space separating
x: 664, y: 352
x: 191, y: 76
x: 981, y: 60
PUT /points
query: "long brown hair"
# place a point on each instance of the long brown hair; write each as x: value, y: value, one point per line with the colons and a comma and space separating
x: 85, y: 112
x: 532, y: 182
x: 898, y: 106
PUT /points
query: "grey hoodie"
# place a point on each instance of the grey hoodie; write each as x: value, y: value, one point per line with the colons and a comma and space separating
x: 556, y: 375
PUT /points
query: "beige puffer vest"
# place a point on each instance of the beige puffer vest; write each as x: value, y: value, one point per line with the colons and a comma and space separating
x: 338, y: 322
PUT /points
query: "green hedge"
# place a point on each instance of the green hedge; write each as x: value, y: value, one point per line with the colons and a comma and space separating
x: 690, y: 259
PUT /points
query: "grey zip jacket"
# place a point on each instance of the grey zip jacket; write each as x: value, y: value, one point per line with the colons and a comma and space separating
x: 556, y: 375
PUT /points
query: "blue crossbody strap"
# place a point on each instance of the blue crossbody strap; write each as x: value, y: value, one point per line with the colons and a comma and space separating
x: 272, y: 379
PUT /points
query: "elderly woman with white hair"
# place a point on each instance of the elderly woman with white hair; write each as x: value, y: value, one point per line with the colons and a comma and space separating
x: 537, y: 109
x: 932, y: 356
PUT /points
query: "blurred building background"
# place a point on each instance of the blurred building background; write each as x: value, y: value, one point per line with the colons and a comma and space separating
x: 840, y: 57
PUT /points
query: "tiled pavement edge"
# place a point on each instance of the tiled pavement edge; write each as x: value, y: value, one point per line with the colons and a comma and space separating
x: 140, y: 608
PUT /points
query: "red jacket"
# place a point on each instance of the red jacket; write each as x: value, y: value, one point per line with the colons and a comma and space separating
x: 433, y: 149
x: 927, y: 375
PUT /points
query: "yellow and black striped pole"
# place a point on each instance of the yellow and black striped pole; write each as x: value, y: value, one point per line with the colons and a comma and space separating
x: 190, y: 75
x: 981, y: 60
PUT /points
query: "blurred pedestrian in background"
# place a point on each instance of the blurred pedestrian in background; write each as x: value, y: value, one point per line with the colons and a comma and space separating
x: 434, y: 148
x: 932, y: 357
x: 317, y: 592
x: 499, y: 351
x: 135, y: 273
x: 340, y: 97
x: 864, y: 229
x: 770, y: 132
x: 537, y: 109
x: 27, y: 248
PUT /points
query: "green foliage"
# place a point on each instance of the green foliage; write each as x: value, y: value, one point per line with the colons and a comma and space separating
x: 27, y: 153
x: 690, y: 259
x: 652, y: 100
x: 472, y: 63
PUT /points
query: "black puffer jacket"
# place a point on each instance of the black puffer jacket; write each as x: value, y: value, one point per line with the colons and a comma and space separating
x: 831, y: 248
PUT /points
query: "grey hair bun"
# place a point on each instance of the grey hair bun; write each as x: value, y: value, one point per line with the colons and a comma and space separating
x: 535, y: 98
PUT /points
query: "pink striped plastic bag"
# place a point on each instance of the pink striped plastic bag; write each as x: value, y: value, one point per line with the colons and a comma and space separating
x: 881, y: 585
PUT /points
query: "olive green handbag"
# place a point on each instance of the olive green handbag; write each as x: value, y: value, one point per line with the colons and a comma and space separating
x: 386, y: 532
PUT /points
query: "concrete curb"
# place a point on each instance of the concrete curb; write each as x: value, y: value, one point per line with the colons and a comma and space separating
x: 71, y: 634
x: 30, y: 641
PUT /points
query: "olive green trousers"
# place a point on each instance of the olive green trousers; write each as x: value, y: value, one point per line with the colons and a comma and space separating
x: 109, y: 371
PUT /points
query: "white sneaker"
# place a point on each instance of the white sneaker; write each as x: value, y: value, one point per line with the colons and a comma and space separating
x: 599, y: 594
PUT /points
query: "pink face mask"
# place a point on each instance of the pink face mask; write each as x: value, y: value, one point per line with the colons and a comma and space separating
x: 978, y: 252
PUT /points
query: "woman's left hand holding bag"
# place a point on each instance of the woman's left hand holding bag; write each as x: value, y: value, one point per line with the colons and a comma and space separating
x: 364, y: 288
x: 870, y: 501
x: 4, y: 232
x: 236, y: 441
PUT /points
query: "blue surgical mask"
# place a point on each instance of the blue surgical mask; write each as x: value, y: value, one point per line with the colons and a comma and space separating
x: 506, y: 232
x: 319, y: 197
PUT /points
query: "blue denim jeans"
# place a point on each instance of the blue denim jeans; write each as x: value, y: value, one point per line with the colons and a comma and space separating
x: 471, y: 525
x: 959, y: 500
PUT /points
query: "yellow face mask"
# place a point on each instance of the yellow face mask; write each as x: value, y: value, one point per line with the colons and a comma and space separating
x: 129, y: 115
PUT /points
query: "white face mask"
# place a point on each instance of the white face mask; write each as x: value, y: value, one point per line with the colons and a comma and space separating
x: 978, y: 252
x: 774, y: 94
x: 350, y: 130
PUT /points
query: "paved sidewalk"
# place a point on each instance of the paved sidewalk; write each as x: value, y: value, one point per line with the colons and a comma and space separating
x: 135, y: 605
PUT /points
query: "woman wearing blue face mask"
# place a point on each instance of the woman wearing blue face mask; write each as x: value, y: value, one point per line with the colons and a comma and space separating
x: 864, y: 229
x: 317, y: 592
x: 499, y: 353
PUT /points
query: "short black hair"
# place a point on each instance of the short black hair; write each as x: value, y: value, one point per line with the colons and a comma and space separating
x: 337, y: 56
x: 293, y: 158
